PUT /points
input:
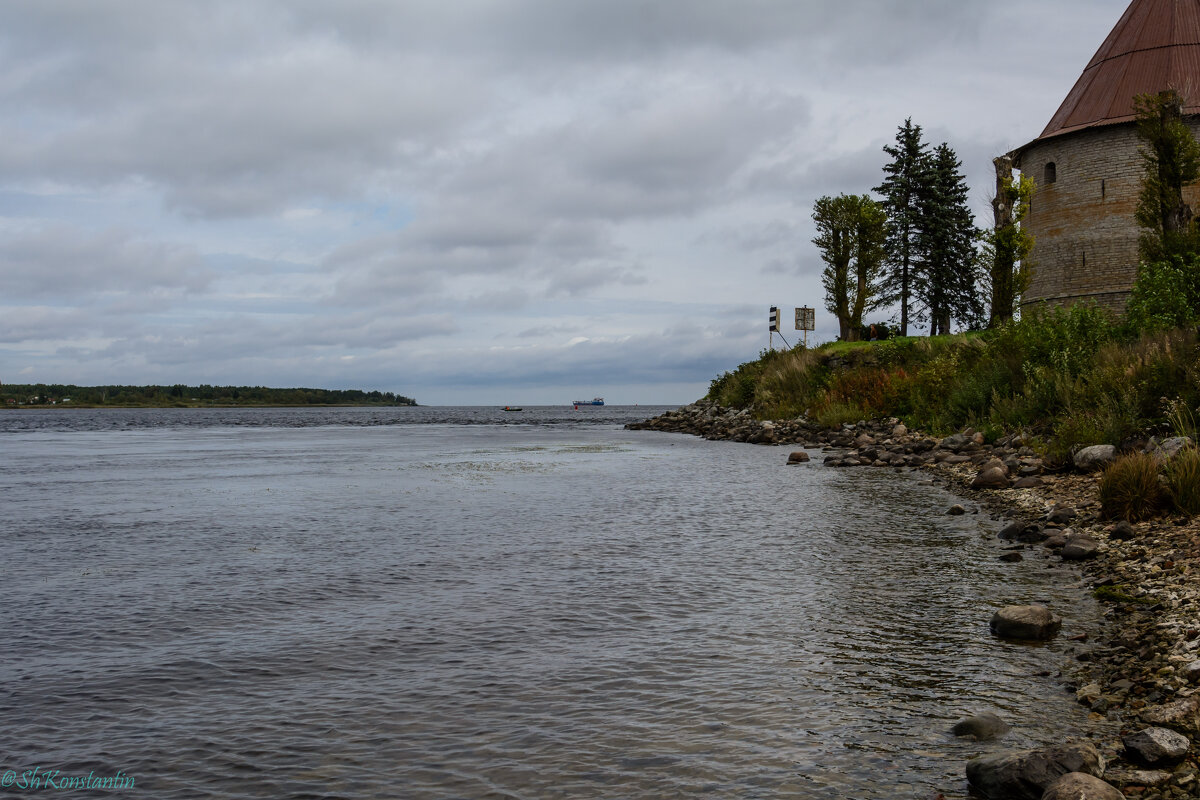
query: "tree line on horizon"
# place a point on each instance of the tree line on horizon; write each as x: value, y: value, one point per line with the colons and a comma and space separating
x: 183, y: 395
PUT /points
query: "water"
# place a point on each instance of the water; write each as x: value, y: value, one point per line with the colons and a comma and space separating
x: 467, y: 603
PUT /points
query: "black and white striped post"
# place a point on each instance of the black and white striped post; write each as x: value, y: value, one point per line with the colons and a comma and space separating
x: 773, y: 327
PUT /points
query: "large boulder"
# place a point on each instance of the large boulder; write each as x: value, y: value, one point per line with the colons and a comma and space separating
x: 1031, y: 623
x: 1090, y: 459
x: 1027, y: 774
x: 1081, y: 786
x: 1155, y: 746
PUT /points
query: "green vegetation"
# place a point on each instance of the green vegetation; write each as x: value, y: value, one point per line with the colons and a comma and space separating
x: 1182, y: 474
x: 850, y: 236
x: 930, y: 267
x: 1119, y: 593
x: 184, y: 396
x: 1130, y: 489
x: 1072, y: 377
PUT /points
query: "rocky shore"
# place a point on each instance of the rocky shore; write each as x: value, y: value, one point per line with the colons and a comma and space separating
x: 1142, y: 670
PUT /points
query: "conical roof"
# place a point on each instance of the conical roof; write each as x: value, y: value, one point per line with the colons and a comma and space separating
x: 1155, y: 46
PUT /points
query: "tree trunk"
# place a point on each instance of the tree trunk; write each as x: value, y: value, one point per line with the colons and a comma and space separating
x: 1003, y: 265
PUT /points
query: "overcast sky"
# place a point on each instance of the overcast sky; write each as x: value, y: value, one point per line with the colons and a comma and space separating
x: 469, y: 201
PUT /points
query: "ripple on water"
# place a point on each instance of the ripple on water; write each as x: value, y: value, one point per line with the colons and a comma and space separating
x: 318, y: 611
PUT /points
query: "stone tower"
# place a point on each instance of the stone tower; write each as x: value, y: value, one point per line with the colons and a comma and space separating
x: 1086, y: 163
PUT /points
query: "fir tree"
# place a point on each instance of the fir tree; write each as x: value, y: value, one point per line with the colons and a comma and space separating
x: 901, y: 190
x: 946, y: 236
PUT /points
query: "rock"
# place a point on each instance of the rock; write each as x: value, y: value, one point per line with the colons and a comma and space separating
x: 1012, y: 530
x: 1055, y: 541
x: 993, y: 463
x: 1061, y: 515
x: 1012, y: 557
x: 1028, y: 482
x: 1031, y: 623
x: 900, y: 430
x: 1139, y: 777
x: 1156, y: 746
x: 954, y: 442
x: 1027, y: 774
x: 798, y: 457
x: 1122, y: 532
x: 981, y: 727
x: 991, y: 478
x: 1182, y: 715
x: 1079, y: 548
x: 1192, y: 671
x: 1081, y: 786
x: 956, y: 510
x: 1168, y: 448
x: 1090, y: 459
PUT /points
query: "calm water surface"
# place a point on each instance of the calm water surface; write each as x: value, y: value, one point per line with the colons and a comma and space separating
x: 464, y: 603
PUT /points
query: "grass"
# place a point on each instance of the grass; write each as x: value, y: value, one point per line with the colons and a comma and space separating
x: 1130, y: 489
x: 1182, y: 475
x: 1071, y: 377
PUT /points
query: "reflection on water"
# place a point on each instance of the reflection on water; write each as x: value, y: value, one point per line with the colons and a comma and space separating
x: 527, y: 611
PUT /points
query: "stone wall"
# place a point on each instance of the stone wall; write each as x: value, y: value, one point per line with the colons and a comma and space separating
x: 1082, y: 216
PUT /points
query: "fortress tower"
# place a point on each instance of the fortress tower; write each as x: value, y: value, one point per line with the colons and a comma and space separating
x: 1086, y: 163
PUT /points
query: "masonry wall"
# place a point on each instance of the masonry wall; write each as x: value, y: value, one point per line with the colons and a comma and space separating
x: 1082, y: 222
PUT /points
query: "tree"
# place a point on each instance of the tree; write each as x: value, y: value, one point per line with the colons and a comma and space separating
x: 851, y: 231
x: 1171, y: 158
x: 946, y: 236
x: 900, y: 191
x: 1008, y: 244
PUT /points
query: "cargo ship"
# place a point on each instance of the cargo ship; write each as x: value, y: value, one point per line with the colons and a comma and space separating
x: 595, y: 401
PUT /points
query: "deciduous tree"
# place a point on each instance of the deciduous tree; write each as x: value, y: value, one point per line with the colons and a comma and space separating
x: 851, y: 230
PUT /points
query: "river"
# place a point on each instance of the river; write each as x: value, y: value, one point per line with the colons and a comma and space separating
x: 471, y: 603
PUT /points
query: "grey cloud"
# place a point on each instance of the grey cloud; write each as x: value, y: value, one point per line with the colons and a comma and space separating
x: 60, y: 261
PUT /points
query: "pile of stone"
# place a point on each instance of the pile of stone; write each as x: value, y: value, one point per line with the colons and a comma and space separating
x: 711, y: 421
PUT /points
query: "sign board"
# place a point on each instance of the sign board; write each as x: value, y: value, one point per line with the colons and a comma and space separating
x: 806, y: 319
x: 774, y: 321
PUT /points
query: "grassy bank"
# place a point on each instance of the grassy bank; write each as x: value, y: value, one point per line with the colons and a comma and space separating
x: 1071, y: 377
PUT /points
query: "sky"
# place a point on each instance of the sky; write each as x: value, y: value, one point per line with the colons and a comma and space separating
x: 470, y: 202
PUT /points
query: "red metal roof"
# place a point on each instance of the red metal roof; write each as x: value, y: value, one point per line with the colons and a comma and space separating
x: 1155, y: 46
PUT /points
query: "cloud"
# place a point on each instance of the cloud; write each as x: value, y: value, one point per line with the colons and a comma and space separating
x: 64, y: 262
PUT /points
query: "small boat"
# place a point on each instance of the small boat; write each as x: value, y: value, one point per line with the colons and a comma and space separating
x: 595, y: 401
x: 513, y: 408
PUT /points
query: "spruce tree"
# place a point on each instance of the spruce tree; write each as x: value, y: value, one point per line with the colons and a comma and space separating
x: 901, y: 190
x: 946, y: 236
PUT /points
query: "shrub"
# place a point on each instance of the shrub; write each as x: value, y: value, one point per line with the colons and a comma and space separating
x: 834, y: 414
x: 1183, y: 480
x: 1130, y: 489
x: 1165, y: 294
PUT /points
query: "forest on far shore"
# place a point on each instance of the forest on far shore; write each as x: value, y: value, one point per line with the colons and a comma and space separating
x: 181, y: 396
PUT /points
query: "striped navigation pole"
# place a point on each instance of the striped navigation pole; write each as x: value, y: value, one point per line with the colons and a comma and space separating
x: 773, y: 327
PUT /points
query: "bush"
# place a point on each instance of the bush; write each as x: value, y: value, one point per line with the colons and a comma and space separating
x: 1130, y: 489
x: 1183, y: 480
x: 1165, y: 294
